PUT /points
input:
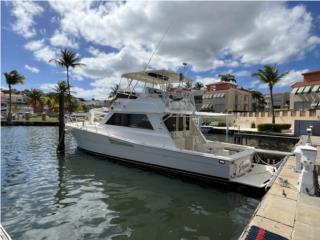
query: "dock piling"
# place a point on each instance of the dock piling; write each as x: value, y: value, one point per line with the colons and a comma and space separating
x: 61, y: 144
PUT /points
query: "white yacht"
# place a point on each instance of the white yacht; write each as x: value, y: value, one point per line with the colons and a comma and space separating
x: 159, y: 128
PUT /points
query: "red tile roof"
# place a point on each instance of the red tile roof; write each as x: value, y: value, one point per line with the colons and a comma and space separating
x: 220, y: 83
x: 216, y: 91
x: 313, y: 72
x: 303, y: 84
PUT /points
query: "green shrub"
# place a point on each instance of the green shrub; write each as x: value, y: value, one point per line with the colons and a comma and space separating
x: 221, y: 124
x: 206, y: 122
x: 269, y: 127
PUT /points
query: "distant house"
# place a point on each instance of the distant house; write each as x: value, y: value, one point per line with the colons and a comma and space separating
x: 93, y: 103
x: 305, y: 95
x: 258, y: 101
x: 280, y: 101
x: 226, y: 97
x: 18, y: 100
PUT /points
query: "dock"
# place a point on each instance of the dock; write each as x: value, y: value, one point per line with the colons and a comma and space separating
x: 3, y: 234
x: 284, y: 213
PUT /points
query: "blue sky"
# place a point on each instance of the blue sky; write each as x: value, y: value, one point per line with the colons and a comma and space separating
x: 116, y: 37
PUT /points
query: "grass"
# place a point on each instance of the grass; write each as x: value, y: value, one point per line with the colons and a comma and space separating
x: 37, y: 119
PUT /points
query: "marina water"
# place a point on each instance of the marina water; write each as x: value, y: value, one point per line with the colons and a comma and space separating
x: 79, y: 196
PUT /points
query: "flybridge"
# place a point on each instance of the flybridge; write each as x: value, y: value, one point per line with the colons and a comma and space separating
x: 157, y: 77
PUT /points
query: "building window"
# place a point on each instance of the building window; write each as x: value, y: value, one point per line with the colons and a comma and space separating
x: 130, y: 120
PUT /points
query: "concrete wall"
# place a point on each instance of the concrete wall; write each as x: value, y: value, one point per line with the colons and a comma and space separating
x: 246, y: 119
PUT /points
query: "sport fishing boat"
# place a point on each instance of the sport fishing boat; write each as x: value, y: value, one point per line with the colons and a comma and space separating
x: 150, y: 124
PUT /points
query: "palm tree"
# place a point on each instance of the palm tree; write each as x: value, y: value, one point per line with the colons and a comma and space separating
x: 188, y: 84
x: 52, y: 101
x: 68, y: 59
x: 12, y: 78
x: 198, y: 86
x: 227, y: 78
x: 61, y: 86
x: 36, y: 99
x: 114, y: 91
x: 270, y: 75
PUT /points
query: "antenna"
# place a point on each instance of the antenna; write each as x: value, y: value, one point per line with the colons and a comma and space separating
x: 156, y: 49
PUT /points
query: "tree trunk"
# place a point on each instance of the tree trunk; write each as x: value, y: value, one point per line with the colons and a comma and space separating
x: 69, y: 92
x: 272, y: 108
x: 9, y: 118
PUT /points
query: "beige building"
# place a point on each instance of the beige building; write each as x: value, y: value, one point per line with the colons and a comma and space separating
x: 306, y: 95
x: 226, y: 97
x: 280, y: 101
x: 18, y: 100
x: 198, y: 98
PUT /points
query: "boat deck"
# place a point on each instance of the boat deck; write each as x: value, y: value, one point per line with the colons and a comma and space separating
x: 286, y: 212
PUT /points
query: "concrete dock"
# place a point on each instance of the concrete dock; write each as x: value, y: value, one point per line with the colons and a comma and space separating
x: 286, y: 212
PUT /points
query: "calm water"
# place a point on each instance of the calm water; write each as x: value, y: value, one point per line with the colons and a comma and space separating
x: 84, y: 197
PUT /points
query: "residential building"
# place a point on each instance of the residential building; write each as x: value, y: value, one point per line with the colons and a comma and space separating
x: 306, y: 94
x: 93, y: 103
x: 258, y: 101
x: 197, y: 94
x: 226, y: 97
x: 280, y: 101
x: 18, y: 99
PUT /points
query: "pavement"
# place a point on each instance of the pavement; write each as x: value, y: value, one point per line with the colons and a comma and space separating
x: 285, y: 211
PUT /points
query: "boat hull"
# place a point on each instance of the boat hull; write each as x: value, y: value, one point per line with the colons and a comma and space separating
x: 185, y: 163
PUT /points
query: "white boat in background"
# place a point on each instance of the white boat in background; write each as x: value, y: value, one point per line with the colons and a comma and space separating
x: 158, y: 128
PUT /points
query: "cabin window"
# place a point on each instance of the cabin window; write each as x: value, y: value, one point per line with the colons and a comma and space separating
x: 130, y: 120
x: 176, y: 123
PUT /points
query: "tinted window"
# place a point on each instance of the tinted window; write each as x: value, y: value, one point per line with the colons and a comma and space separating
x: 172, y: 121
x: 130, y: 120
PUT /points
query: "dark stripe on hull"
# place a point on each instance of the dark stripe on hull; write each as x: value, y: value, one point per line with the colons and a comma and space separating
x: 186, y: 175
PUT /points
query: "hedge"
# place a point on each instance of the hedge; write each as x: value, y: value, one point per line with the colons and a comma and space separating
x: 221, y: 124
x: 269, y: 127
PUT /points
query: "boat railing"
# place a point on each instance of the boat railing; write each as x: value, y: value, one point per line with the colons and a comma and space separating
x: 87, y: 120
x: 182, y: 101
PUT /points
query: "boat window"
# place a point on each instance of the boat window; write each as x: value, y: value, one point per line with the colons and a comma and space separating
x: 172, y: 122
x: 130, y: 120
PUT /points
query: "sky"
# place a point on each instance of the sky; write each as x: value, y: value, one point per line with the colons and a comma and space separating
x: 112, y: 38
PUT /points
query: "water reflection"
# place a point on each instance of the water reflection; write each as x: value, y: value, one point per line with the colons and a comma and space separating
x: 79, y: 196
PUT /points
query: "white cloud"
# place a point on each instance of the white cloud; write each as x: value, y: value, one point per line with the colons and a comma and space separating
x: 255, y: 32
x: 34, y: 45
x: 279, y: 33
x: 25, y: 11
x: 47, y: 87
x: 206, y: 35
x: 41, y: 51
x: 32, y: 69
x: 207, y: 80
x: 96, y: 93
x: 62, y: 40
x: 292, y: 77
x: 243, y: 73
